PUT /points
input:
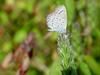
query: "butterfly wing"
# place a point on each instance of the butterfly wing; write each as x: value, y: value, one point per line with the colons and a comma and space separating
x: 57, y: 20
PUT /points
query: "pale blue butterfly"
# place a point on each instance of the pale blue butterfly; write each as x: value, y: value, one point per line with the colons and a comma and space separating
x: 57, y: 20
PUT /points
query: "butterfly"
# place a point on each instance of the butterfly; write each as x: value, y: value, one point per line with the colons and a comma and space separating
x: 57, y: 20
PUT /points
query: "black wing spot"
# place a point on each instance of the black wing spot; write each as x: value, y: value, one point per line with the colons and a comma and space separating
x: 60, y: 12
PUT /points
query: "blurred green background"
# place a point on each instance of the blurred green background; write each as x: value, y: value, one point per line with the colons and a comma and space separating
x: 19, y: 17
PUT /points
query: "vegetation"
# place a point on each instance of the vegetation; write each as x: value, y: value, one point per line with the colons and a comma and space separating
x: 19, y: 19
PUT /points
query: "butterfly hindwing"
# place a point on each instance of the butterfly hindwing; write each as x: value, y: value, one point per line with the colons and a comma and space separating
x: 57, y: 20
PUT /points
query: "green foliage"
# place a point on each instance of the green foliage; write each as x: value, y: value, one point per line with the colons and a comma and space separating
x: 85, y: 69
x: 92, y: 64
x: 55, y: 68
x: 20, y: 36
x: 70, y: 9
